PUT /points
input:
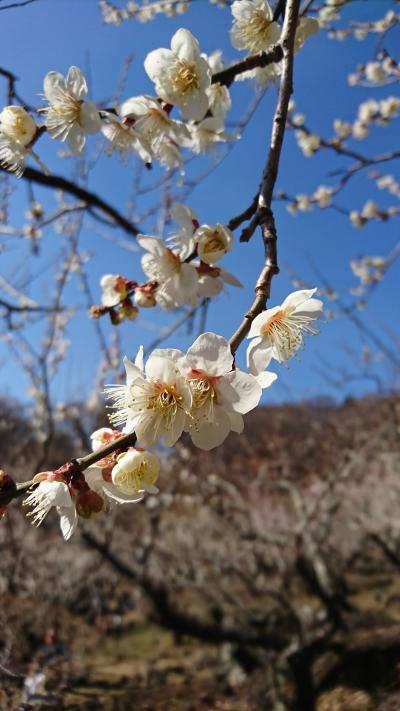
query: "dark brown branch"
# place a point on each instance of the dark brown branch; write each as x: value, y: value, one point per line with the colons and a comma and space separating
x: 262, y: 59
x: 91, y: 199
x: 264, y: 215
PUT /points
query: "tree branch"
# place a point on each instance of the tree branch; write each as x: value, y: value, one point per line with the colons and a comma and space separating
x: 264, y: 215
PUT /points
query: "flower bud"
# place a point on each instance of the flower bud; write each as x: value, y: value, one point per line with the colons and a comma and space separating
x: 114, y: 289
x: 116, y: 317
x: 88, y: 503
x: 135, y: 470
x: 128, y: 310
x: 145, y: 297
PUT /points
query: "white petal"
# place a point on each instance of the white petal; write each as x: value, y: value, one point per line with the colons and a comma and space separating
x: 210, y: 354
x: 161, y: 369
x: 185, y: 46
x: 230, y: 279
x: 68, y: 521
x: 258, y: 355
x: 237, y: 422
x: 76, y: 83
x: 212, y: 434
x: 54, y: 87
x: 298, y: 297
x: 157, y: 61
x: 76, y: 139
x: 90, y: 119
x: 194, y: 106
x: 152, y: 244
x: 132, y: 370
x: 172, y: 435
x: 139, y: 360
x: 241, y: 390
x: 266, y: 379
x: 261, y: 320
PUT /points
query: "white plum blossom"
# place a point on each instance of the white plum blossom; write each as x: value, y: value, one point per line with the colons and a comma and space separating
x: 124, y: 137
x: 136, y: 471
x: 156, y: 399
x: 114, y: 289
x: 152, y: 122
x: 181, y: 75
x: 278, y: 332
x: 170, y: 156
x: 206, y: 133
x: 69, y: 117
x: 221, y: 395
x: 177, y: 281
x: 253, y: 28
x: 307, y: 142
x: 17, y: 131
x: 213, y: 242
x: 219, y: 100
x: 53, y: 493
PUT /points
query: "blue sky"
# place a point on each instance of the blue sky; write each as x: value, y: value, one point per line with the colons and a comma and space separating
x: 54, y: 34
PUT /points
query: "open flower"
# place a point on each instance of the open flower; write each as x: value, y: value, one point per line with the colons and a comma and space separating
x: 68, y: 116
x: 253, y: 28
x: 177, y: 281
x: 278, y: 332
x: 213, y: 242
x: 136, y: 471
x: 156, y: 399
x: 53, y: 493
x: 181, y: 75
x: 124, y: 137
x: 220, y: 395
x: 151, y: 121
x: 17, y: 131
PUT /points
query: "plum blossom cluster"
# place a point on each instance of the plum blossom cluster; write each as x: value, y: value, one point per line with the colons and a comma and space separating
x: 371, y: 211
x: 124, y: 477
x: 358, y: 30
x: 369, y: 270
x: 377, y: 73
x: 322, y: 197
x: 140, y: 125
x: 143, y: 13
x: 374, y: 112
x: 180, y: 271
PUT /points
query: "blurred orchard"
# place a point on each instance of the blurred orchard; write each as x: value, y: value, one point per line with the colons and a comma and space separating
x: 174, y: 535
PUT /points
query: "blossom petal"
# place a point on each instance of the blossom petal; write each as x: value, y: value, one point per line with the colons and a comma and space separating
x: 258, y: 355
x: 241, y: 390
x: 76, y: 83
x: 90, y: 119
x: 297, y: 297
x: 68, y: 521
x: 185, y: 46
x: 210, y: 354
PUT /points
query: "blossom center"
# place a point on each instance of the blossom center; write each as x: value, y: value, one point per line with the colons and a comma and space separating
x: 132, y: 480
x: 254, y: 31
x: 186, y: 79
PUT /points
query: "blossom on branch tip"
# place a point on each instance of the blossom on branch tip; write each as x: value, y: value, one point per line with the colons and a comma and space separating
x: 181, y: 75
x: 254, y: 28
x: 206, y: 133
x: 17, y: 132
x: 53, y: 493
x: 278, y: 332
x: 213, y: 242
x: 99, y: 480
x: 69, y: 117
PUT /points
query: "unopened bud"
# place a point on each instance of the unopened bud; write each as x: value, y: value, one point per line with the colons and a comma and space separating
x: 88, y: 503
x: 116, y: 317
x: 128, y: 310
x: 97, y: 311
x: 145, y: 298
